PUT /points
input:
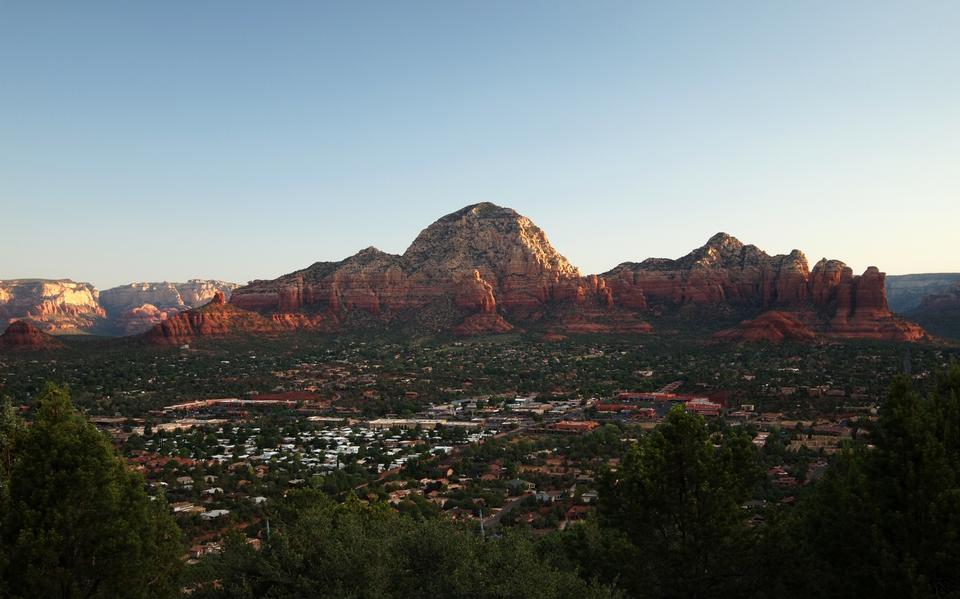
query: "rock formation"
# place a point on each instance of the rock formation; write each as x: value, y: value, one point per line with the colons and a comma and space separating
x: 488, y: 269
x: 724, y: 271
x: 217, y: 318
x: 134, y: 308
x: 55, y: 306
x: 772, y: 326
x: 472, y: 271
x: 725, y: 274
x: 22, y: 335
x: 63, y: 306
x: 139, y: 319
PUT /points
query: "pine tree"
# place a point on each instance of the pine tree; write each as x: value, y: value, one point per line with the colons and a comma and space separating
x: 676, y: 499
x: 79, y: 523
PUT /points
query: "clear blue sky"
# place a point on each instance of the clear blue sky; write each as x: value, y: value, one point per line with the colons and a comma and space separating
x: 241, y: 140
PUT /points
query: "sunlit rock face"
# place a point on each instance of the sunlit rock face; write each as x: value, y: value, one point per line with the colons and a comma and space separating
x: 488, y: 269
x: 53, y: 306
x: 724, y: 270
x: 134, y: 308
x: 487, y: 265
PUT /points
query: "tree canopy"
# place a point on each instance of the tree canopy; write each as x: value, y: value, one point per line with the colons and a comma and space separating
x: 78, y: 522
x: 885, y: 519
x: 675, y: 501
x: 319, y: 548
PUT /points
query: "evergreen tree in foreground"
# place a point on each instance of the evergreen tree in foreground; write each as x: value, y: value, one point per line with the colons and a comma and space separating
x: 674, y: 503
x: 885, y: 520
x: 319, y: 548
x: 77, y: 522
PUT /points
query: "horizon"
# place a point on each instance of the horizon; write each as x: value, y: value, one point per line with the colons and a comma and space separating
x: 811, y: 261
x: 238, y: 142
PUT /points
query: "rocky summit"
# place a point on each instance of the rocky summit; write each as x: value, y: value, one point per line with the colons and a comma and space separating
x: 486, y: 268
x: 481, y: 260
x: 725, y: 274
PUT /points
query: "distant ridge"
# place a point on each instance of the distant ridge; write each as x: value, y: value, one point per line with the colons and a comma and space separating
x: 62, y: 306
x: 487, y: 269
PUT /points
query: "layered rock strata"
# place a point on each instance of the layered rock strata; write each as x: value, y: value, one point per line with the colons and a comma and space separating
x: 54, y: 306
x: 217, y: 318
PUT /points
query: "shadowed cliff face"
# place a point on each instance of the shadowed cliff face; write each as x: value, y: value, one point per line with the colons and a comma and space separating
x: 906, y: 292
x: 940, y: 312
x: 216, y: 318
x: 493, y: 269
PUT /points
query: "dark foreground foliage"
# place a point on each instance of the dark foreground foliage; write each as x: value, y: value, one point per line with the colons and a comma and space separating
x: 319, y: 548
x: 75, y: 521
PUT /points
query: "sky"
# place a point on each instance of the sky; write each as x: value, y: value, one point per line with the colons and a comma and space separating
x: 149, y: 141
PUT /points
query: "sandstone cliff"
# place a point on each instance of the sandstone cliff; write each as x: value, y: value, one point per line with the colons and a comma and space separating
x: 64, y: 306
x: 486, y: 269
x: 828, y: 301
x: 476, y: 270
x: 906, y: 292
x: 723, y: 271
x: 55, y: 306
x: 134, y: 308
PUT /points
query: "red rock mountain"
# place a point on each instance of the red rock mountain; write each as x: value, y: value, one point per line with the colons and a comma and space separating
x: 488, y: 269
x: 216, y: 318
x: 827, y: 301
x: 23, y: 335
x: 476, y: 270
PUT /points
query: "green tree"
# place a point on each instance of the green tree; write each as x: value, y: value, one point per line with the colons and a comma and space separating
x: 676, y: 499
x: 322, y: 549
x: 10, y: 426
x: 885, y: 521
x: 79, y: 523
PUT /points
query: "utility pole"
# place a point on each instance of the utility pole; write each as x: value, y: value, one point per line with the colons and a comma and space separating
x: 483, y: 533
